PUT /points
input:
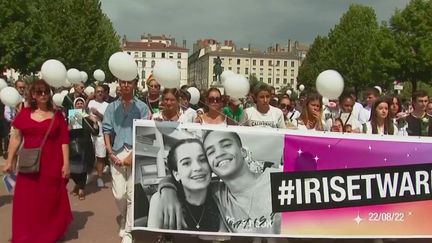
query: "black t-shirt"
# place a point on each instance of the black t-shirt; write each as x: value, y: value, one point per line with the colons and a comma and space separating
x: 416, y: 125
x: 204, y: 217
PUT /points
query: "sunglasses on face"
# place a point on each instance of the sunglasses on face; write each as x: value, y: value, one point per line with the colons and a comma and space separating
x: 41, y: 92
x: 284, y: 106
x: 214, y: 99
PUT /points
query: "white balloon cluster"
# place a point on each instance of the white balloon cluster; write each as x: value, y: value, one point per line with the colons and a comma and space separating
x: 226, y: 74
x: 3, y: 84
x: 330, y: 84
x: 236, y: 86
x: 58, y: 99
x: 167, y: 74
x: 89, y: 91
x: 74, y: 76
x: 123, y: 66
x: 10, y: 96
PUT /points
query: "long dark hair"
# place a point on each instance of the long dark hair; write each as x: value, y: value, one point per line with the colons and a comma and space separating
x: 388, y: 122
x: 399, y: 104
x: 305, y: 116
x: 172, y: 162
x: 33, y: 104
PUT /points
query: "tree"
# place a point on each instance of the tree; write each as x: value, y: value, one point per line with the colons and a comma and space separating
x: 349, y: 46
x: 75, y: 32
x: 412, y: 32
x: 314, y: 63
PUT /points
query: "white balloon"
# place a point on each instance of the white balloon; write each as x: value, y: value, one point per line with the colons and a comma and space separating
x: 378, y: 88
x: 58, y: 99
x: 64, y: 92
x: 123, y: 66
x: 288, y: 92
x: 89, y: 90
x: 99, y: 75
x: 54, y: 72
x: 225, y: 74
x: 236, y: 86
x: 195, y: 95
x: 72, y: 90
x: 10, y: 96
x: 3, y: 84
x: 84, y: 76
x: 167, y: 74
x: 330, y: 84
x: 301, y: 87
x: 74, y: 76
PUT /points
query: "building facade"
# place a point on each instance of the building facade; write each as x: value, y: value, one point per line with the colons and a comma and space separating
x: 151, y: 49
x: 278, y: 67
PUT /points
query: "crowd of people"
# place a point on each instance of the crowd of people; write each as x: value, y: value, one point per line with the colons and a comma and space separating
x: 99, y: 131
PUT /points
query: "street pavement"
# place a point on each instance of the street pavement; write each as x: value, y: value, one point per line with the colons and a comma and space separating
x: 96, y: 220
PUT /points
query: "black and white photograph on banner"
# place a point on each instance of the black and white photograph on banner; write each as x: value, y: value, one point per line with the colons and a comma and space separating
x: 217, y: 178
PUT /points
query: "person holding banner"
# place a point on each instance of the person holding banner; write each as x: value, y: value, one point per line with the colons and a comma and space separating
x: 398, y: 115
x: 117, y: 126
x: 263, y: 114
x: 190, y: 169
x: 380, y: 120
x: 213, y: 114
x: 419, y: 122
x: 243, y: 197
x: 311, y: 115
x: 172, y: 110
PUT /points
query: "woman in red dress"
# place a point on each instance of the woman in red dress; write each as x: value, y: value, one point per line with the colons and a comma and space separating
x: 41, y: 211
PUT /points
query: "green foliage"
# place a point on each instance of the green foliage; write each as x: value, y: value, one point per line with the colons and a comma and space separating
x: 314, y: 63
x: 412, y: 34
x: 253, y: 81
x: 75, y: 32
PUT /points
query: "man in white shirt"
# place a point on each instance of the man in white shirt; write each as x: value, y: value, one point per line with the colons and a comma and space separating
x: 97, y: 107
x: 262, y: 114
x: 371, y: 95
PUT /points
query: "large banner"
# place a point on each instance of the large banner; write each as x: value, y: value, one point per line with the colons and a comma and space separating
x: 243, y: 181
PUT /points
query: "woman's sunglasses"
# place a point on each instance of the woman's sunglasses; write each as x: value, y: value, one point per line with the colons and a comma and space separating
x: 214, y: 99
x: 41, y: 92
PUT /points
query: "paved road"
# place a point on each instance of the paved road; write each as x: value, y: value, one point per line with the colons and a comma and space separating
x: 95, y: 220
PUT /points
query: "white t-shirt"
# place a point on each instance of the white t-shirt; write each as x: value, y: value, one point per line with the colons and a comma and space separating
x: 365, y: 115
x: 253, y: 118
x: 183, y: 117
x: 351, y: 120
x: 357, y: 110
x: 100, y: 107
x: 369, y: 129
x: 293, y: 115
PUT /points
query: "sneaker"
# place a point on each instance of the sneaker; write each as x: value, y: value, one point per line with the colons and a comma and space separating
x: 100, y: 182
x: 106, y: 169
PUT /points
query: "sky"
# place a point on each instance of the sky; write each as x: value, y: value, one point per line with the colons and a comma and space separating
x: 261, y: 23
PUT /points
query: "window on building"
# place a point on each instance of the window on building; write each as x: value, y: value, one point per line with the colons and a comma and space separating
x: 246, y: 71
x: 136, y: 54
x: 269, y: 80
x: 163, y: 54
x: 285, y: 81
x: 153, y: 63
x: 292, y: 81
x: 277, y: 63
x: 292, y: 72
x: 143, y: 75
x: 285, y: 63
x: 128, y: 52
x: 261, y: 62
x: 261, y: 79
x: 229, y: 61
x: 269, y: 71
x: 153, y: 54
x: 277, y: 80
x: 144, y: 63
x: 292, y: 63
x: 143, y: 54
x: 179, y: 55
x: 238, y: 61
x: 254, y: 62
x: 270, y: 63
x: 238, y: 70
x: 285, y: 72
x: 179, y: 64
x: 229, y: 68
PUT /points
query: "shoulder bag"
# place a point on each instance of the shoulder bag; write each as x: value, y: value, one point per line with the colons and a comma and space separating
x: 29, y: 158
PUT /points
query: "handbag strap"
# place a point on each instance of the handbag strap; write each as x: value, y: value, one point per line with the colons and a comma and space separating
x: 48, y: 131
